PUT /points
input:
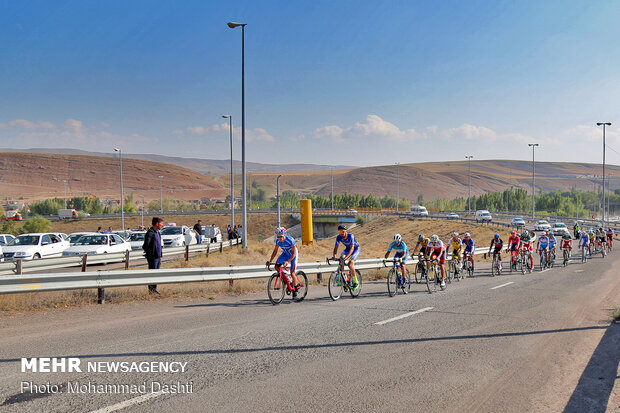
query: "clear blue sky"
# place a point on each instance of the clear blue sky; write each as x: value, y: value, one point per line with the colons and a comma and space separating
x: 347, y: 82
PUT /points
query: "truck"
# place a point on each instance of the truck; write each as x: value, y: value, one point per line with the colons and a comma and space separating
x: 67, y: 213
x: 12, y: 215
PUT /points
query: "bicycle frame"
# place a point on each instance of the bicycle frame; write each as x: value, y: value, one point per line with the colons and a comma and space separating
x: 285, y: 273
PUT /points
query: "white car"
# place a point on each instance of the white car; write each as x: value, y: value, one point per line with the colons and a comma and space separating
x: 98, y: 244
x: 452, y: 215
x: 542, y: 225
x: 177, y: 236
x: 74, y: 236
x: 208, y: 233
x: 136, y: 239
x: 35, y: 246
x: 419, y: 211
x: 518, y: 222
x: 559, y: 228
x: 6, y: 238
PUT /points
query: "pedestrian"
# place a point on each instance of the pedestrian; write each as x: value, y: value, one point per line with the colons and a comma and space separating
x: 198, y: 231
x: 230, y: 232
x: 99, y: 230
x: 152, y: 249
x: 215, y: 233
x: 109, y: 231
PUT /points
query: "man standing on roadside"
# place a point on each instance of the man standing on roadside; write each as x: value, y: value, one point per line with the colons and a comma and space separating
x: 152, y: 249
x: 198, y: 231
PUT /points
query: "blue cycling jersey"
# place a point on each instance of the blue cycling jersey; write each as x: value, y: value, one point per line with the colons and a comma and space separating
x: 348, y: 242
x: 543, y: 240
x: 469, y: 244
x: 584, y: 240
x: 399, y: 248
x: 286, y: 245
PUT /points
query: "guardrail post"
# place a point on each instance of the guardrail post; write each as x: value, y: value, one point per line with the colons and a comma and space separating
x: 319, y: 277
x: 84, y: 258
x: 221, y: 246
x: 231, y: 281
x: 208, y: 248
x: 100, y: 295
x: 230, y: 243
x: 127, y: 259
x: 187, y: 253
x: 18, y: 267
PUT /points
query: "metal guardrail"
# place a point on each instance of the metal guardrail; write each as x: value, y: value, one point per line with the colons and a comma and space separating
x: 23, y: 266
x: 102, y: 279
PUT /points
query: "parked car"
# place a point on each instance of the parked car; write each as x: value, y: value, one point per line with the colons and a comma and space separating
x: 560, y: 229
x: 98, y: 244
x: 452, y: 215
x: 35, y: 246
x: 176, y: 236
x: 542, y: 225
x: 483, y: 215
x: 419, y: 211
x: 136, y: 239
x: 74, y: 236
x: 518, y: 222
x: 6, y: 238
x: 124, y: 234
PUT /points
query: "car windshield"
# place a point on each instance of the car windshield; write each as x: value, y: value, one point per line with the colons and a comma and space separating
x: 559, y: 225
x: 92, y: 240
x: 25, y: 240
x: 73, y: 238
x: 137, y: 236
x: 543, y: 222
x: 171, y: 231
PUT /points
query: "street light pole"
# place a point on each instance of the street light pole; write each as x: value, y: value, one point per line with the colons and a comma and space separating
x: 232, y: 177
x: 161, y: 194
x: 64, y: 181
x: 468, y: 157
x: 232, y: 25
x: 142, y: 211
x: 603, y: 214
x: 120, y: 159
x: 332, y: 170
x: 278, y: 196
x: 533, y: 145
x: 397, y: 186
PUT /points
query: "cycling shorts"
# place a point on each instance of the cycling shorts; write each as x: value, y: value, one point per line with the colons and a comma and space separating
x: 528, y: 247
x: 354, y: 256
x: 610, y: 236
x: 497, y: 250
x: 285, y: 257
x: 566, y: 244
x: 402, y: 256
x: 441, y: 257
x: 456, y: 251
x: 514, y: 247
x: 543, y: 247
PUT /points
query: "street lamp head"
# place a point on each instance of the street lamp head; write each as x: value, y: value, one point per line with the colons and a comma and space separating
x: 226, y: 116
x: 603, y: 123
x: 532, y: 144
x: 232, y: 25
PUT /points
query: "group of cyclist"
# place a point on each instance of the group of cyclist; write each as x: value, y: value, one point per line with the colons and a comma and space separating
x: 596, y: 238
x: 434, y: 249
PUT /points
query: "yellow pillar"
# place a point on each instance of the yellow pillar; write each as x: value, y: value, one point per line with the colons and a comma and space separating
x: 306, y: 221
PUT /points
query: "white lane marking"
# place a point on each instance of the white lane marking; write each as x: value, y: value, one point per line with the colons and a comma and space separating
x: 579, y: 270
x: 380, y: 323
x: 127, y: 403
x: 503, y: 285
x: 545, y: 270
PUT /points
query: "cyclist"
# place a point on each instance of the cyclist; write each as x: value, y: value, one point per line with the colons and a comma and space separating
x: 496, y: 245
x: 610, y: 236
x: 567, y: 243
x: 421, y: 245
x: 542, y: 245
x: 602, y: 239
x: 457, y: 245
x: 591, y: 236
x: 470, y: 248
x: 435, y: 249
x: 527, y: 240
x: 400, y: 247
x: 514, y: 243
x: 584, y: 241
x: 577, y: 230
x: 351, y: 251
x: 552, y: 242
x: 289, y: 255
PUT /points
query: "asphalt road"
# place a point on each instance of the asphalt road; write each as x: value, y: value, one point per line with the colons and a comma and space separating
x: 535, y: 342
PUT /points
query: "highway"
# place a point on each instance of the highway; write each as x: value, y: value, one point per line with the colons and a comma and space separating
x: 513, y: 343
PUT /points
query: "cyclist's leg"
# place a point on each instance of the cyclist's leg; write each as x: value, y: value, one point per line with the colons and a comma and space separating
x: 296, y: 282
x: 352, y: 259
x: 442, y: 265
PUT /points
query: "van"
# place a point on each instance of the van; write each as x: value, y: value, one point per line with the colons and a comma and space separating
x: 419, y: 211
x: 483, y: 215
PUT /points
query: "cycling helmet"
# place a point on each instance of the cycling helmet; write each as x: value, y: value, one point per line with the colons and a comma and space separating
x: 466, y: 235
x: 342, y: 228
x: 455, y: 234
x: 513, y: 233
x: 551, y: 234
x: 420, y: 238
x: 397, y: 238
x: 496, y: 235
x: 524, y: 233
x: 280, y: 231
x: 434, y: 238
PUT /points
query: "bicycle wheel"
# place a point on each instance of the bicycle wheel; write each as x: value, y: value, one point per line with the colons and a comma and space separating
x: 542, y: 262
x: 303, y: 289
x: 275, y: 289
x: 420, y: 272
x: 356, y: 292
x: 450, y: 275
x: 407, y: 284
x: 392, y: 282
x: 458, y: 275
x: 565, y: 262
x: 335, y: 285
x: 583, y: 255
x: 493, y: 268
x: 431, y: 279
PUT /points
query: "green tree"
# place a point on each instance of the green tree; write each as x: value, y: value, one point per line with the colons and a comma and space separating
x: 37, y: 224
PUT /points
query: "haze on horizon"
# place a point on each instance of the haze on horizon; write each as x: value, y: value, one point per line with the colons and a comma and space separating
x: 354, y: 83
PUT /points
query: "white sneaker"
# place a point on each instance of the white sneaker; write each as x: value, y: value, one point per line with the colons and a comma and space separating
x: 443, y: 283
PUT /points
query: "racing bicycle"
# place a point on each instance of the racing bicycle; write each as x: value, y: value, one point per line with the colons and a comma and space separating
x: 281, y: 282
x: 395, y: 278
x: 341, y: 280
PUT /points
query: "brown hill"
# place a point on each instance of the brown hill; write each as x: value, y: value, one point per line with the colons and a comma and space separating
x: 39, y: 176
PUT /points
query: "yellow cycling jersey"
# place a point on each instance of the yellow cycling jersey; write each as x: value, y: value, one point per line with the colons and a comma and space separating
x: 456, y: 245
x: 424, y: 243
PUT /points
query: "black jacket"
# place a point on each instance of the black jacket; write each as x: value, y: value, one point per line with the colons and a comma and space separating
x: 150, y: 244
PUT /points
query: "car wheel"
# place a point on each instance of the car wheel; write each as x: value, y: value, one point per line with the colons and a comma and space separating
x: 36, y: 256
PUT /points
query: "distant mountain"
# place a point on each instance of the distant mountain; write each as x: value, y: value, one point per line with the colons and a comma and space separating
x: 203, y: 166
